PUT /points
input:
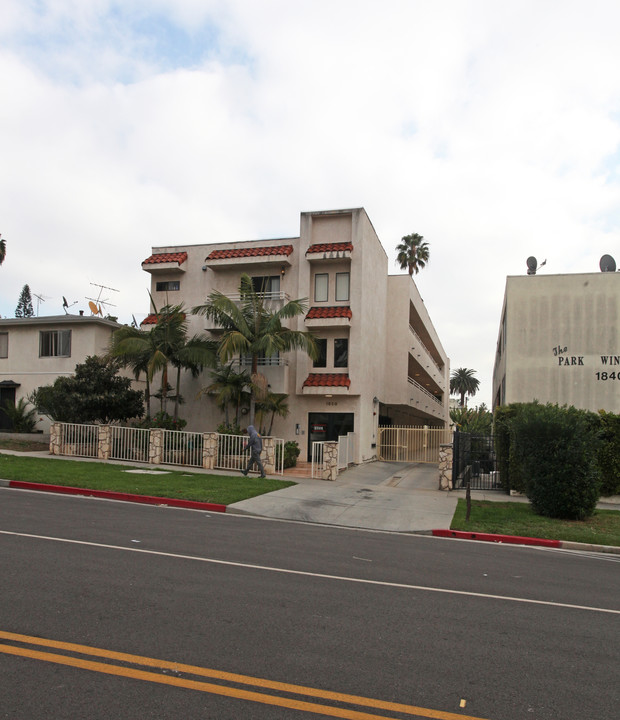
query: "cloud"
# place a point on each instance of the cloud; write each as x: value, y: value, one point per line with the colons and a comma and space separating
x: 490, y: 128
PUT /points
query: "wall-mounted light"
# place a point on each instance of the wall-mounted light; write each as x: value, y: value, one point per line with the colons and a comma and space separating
x: 204, y: 268
x: 328, y: 396
x: 282, y: 270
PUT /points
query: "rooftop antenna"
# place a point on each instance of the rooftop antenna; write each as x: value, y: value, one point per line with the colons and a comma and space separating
x: 96, y: 305
x: 134, y: 324
x: 607, y: 264
x: 40, y: 299
x: 65, y: 304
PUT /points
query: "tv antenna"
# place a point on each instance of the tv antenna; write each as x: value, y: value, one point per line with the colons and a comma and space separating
x: 65, y: 304
x: 96, y: 305
x: 40, y: 299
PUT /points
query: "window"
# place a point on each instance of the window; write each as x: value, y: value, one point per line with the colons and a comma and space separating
x: 341, y: 352
x: 4, y: 344
x: 320, y: 287
x: 342, y: 286
x: 165, y: 285
x: 268, y: 284
x: 55, y: 343
x: 321, y: 361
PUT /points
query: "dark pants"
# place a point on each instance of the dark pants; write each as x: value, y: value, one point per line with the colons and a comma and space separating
x: 255, y: 458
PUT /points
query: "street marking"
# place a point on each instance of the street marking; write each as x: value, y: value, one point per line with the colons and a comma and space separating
x: 322, y: 576
x: 264, y: 698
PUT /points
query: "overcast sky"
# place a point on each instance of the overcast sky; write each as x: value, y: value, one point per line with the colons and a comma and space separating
x: 490, y: 128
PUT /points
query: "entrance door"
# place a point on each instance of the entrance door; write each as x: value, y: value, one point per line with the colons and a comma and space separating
x: 7, y: 394
x: 327, y: 426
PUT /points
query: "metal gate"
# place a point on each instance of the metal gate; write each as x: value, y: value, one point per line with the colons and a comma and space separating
x: 411, y: 444
x: 474, y: 461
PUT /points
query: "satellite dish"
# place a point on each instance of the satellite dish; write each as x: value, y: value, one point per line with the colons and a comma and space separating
x: 532, y: 264
x: 93, y: 308
x: 607, y: 264
x: 65, y: 304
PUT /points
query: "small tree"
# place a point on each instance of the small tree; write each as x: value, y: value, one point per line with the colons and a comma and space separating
x: 2, y: 249
x: 96, y: 393
x: 24, y: 306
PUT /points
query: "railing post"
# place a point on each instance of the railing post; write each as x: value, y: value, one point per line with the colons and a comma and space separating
x: 55, y: 438
x: 330, y: 460
x: 156, y: 446
x: 103, y: 442
x: 445, y: 466
x: 269, y: 448
x: 209, y: 450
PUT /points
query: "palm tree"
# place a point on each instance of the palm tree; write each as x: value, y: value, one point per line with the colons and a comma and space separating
x: 463, y: 382
x: 274, y: 403
x: 2, y: 250
x: 228, y: 387
x: 151, y: 351
x: 413, y: 253
x: 253, y: 329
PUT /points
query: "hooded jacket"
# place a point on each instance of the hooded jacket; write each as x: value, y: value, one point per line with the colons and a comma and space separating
x: 255, y: 443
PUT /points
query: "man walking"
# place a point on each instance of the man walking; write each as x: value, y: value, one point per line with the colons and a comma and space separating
x: 255, y: 446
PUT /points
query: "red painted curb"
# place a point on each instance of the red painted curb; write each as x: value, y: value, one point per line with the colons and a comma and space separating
x: 489, y: 537
x: 109, y: 495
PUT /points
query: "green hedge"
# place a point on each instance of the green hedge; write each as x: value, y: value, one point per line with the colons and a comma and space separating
x: 562, y: 458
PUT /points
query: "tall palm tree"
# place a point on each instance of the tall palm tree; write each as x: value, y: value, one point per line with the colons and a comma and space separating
x: 274, y: 403
x: 463, y: 382
x: 2, y: 250
x: 413, y: 253
x: 134, y: 348
x: 251, y: 328
x: 193, y: 355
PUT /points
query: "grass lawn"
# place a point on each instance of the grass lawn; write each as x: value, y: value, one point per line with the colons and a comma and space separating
x: 512, y: 518
x: 181, y: 484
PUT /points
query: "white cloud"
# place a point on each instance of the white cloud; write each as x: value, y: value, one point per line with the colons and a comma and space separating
x: 490, y: 128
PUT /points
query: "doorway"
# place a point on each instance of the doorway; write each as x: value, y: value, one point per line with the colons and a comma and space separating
x: 7, y: 394
x: 327, y: 426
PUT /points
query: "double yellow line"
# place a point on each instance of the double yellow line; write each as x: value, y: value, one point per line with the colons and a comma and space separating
x: 181, y: 670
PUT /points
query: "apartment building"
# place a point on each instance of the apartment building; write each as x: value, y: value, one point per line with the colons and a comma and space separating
x: 559, y: 341
x: 35, y: 351
x: 381, y: 360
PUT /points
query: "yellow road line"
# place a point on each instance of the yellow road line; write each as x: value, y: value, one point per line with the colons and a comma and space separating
x: 216, y: 674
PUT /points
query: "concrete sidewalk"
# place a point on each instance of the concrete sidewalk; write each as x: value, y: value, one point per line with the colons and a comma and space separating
x: 376, y: 496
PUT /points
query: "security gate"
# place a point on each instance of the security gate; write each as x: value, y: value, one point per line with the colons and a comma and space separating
x: 411, y: 444
x: 474, y: 462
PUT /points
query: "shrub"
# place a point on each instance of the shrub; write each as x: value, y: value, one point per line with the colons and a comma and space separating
x: 509, y: 465
x: 229, y: 429
x: 163, y: 420
x: 291, y: 453
x: 557, y: 452
x: 22, y: 419
x: 609, y: 455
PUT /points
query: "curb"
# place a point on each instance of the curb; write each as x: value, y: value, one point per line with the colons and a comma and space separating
x: 517, y: 540
x: 110, y: 495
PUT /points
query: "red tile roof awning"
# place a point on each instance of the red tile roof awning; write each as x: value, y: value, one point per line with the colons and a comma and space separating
x: 338, y: 311
x: 250, y: 252
x: 327, y: 380
x: 330, y: 247
x: 150, y: 320
x: 179, y: 257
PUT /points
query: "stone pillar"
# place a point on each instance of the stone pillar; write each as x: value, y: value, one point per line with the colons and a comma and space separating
x: 209, y: 450
x: 103, y: 442
x: 445, y: 466
x: 156, y: 446
x: 269, y: 455
x: 330, y: 461
x: 55, y: 438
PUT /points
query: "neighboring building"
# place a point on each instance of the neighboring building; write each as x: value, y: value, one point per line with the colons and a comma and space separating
x: 381, y: 359
x: 35, y: 351
x: 559, y: 341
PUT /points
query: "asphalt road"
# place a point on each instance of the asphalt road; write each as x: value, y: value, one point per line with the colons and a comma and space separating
x: 113, y: 610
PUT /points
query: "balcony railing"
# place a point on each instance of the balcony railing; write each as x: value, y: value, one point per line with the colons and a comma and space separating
x: 428, y: 352
x: 277, y: 296
x: 425, y: 391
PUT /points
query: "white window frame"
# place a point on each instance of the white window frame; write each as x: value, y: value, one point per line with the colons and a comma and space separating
x: 343, y: 288
x: 59, y: 342
x: 318, y: 297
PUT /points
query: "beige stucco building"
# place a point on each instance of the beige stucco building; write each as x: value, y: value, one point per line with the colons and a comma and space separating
x: 559, y: 341
x: 381, y: 359
x: 35, y: 351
